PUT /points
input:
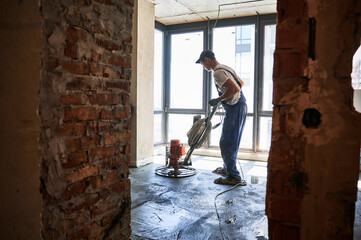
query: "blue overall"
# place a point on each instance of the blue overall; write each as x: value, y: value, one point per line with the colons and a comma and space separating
x: 233, y: 124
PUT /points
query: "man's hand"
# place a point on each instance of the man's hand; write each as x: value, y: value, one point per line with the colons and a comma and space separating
x: 213, y: 102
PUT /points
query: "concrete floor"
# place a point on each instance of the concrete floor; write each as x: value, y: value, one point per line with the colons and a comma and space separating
x: 184, y: 208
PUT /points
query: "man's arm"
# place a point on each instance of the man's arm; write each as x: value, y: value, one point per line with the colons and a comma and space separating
x: 232, y: 89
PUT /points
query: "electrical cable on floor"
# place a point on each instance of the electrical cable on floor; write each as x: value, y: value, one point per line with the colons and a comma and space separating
x: 215, y: 199
x: 215, y: 205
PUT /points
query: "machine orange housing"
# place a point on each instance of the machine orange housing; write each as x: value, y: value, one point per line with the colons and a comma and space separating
x: 177, y: 150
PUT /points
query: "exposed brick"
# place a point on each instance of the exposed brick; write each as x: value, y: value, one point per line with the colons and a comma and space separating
x: 96, y: 69
x: 85, y: 232
x: 107, y: 2
x: 103, y: 206
x: 108, y: 45
x: 82, y: 113
x: 129, y: 39
x: 110, y: 178
x: 120, y: 61
x: 52, y: 64
x: 79, y: 84
x: 127, y: 148
x: 71, y: 50
x: 122, y: 85
x: 95, y: 182
x: 121, y: 187
x: 113, y: 138
x: 115, y: 163
x: 126, y: 124
x: 75, y: 159
x: 98, y: 234
x: 125, y: 113
x: 104, y: 99
x: 96, y: 57
x: 90, y: 168
x: 128, y: 48
x: 72, y: 129
x: 125, y: 99
x: 108, y: 218
x: 79, y: 68
x: 75, y: 99
x: 104, y: 152
x: 72, y: 35
x: 89, y: 200
x: 101, y: 126
x: 110, y: 73
x: 75, y: 189
x: 82, y: 173
x: 83, y: 143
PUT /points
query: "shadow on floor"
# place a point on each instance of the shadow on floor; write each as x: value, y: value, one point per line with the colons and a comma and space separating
x: 184, y: 208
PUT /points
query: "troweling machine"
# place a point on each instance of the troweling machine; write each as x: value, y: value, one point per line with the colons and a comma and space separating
x: 177, y: 167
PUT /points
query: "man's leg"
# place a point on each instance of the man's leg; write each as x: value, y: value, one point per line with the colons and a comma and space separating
x: 233, y: 125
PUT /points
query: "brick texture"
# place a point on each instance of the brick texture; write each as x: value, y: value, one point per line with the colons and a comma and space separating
x: 311, y: 186
x: 84, y: 105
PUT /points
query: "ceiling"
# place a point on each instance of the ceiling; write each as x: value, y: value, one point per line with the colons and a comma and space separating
x: 182, y: 11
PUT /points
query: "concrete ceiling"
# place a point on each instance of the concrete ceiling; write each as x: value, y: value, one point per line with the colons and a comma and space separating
x: 182, y: 11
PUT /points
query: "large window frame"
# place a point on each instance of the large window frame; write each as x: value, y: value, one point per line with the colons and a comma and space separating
x: 260, y: 21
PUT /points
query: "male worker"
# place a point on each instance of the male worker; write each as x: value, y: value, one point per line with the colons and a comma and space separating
x: 229, y: 86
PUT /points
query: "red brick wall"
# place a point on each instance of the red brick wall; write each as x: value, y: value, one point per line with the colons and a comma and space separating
x: 314, y: 157
x: 85, y: 116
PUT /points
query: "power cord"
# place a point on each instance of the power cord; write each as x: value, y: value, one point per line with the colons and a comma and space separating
x: 230, y: 189
x: 215, y: 205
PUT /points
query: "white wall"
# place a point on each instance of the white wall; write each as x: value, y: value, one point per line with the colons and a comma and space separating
x: 141, y: 99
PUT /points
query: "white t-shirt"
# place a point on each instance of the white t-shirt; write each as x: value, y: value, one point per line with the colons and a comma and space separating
x: 221, y: 76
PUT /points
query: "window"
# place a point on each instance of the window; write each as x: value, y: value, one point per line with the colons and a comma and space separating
x: 235, y: 46
x: 186, y: 78
x: 245, y: 44
x: 269, y: 48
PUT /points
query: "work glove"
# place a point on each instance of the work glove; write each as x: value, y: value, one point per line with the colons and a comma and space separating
x: 213, y: 102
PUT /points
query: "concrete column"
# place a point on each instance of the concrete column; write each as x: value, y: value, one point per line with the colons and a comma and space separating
x: 141, y: 97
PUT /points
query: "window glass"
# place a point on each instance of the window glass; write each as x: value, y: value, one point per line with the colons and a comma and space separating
x: 247, y: 135
x: 269, y: 48
x: 186, y: 83
x: 265, y: 133
x: 234, y: 47
x: 158, y: 70
x: 179, y: 125
x: 158, y: 128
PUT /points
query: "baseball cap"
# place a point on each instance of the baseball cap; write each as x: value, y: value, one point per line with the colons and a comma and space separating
x: 205, y: 53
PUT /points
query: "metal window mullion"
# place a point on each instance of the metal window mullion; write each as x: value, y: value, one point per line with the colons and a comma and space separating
x: 166, y: 92
x: 256, y: 85
x: 208, y: 76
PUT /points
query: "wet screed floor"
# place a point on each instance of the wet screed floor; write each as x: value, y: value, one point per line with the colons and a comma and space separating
x: 184, y: 208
